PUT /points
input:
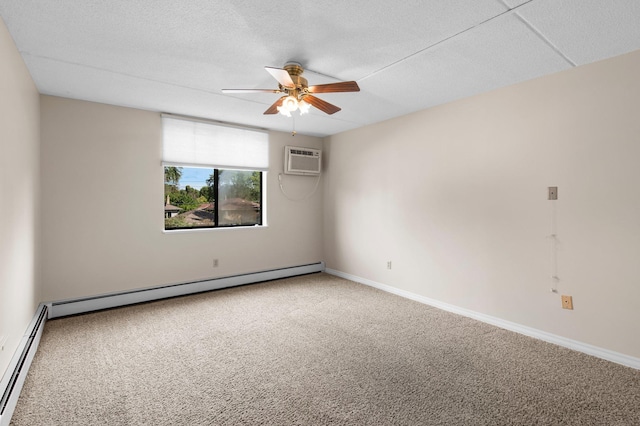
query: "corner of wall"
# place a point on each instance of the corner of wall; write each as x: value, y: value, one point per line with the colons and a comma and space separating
x: 20, y: 281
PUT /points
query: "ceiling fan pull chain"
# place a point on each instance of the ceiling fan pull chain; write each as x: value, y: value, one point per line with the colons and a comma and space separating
x: 293, y: 125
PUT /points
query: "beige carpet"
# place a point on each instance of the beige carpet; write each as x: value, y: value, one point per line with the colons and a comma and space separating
x: 311, y: 350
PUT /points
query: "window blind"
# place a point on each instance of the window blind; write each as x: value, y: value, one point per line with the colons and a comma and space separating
x: 200, y: 144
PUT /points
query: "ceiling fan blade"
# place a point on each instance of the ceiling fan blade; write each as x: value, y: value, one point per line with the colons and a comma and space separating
x: 343, y: 86
x: 273, y: 109
x: 250, y: 91
x: 321, y: 105
x: 282, y: 76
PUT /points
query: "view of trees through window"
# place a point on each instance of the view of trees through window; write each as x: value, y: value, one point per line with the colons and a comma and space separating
x: 208, y: 198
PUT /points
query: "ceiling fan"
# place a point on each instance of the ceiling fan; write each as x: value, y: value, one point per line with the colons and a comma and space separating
x: 297, y: 93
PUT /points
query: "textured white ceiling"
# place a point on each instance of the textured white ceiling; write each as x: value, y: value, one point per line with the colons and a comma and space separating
x: 406, y: 56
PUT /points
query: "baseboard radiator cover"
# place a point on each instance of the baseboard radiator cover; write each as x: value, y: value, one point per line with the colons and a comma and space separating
x: 16, y: 373
x: 586, y: 348
x: 114, y: 300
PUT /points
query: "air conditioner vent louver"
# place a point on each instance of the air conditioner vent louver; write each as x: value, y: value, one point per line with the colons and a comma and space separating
x: 302, y: 161
x: 301, y: 152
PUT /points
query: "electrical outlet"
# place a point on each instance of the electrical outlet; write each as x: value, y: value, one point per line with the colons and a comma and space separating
x: 389, y: 264
x: 567, y: 302
x: 215, y: 263
x: 553, y: 193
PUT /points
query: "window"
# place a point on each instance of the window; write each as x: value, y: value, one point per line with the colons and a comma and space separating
x: 212, y: 175
x: 209, y: 198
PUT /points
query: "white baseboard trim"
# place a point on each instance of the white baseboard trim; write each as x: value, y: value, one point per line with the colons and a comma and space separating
x: 13, y: 379
x: 606, y: 354
x: 113, y: 300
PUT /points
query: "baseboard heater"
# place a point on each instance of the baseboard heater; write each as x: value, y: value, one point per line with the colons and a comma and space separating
x: 16, y: 373
x: 114, y: 300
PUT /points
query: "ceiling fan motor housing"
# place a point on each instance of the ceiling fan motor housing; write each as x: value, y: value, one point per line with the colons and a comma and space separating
x: 295, y: 70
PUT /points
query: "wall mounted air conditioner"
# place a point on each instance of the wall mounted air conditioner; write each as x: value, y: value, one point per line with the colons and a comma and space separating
x: 302, y: 161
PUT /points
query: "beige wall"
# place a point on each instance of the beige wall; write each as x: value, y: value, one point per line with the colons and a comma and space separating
x: 455, y: 197
x: 102, y: 194
x: 19, y: 218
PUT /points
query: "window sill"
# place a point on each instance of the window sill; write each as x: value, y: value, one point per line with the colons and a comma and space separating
x: 222, y: 228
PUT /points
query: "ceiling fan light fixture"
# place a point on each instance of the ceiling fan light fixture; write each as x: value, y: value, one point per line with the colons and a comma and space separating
x: 282, y: 110
x: 290, y: 103
x: 303, y: 107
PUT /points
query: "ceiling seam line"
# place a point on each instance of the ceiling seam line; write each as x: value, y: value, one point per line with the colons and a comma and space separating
x: 542, y: 37
x: 321, y: 74
x: 120, y: 73
x: 506, y: 12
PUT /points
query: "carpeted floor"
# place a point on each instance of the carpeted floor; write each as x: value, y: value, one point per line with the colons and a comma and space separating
x: 311, y: 350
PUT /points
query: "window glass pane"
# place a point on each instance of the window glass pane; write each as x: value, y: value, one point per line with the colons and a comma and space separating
x: 240, y: 197
x: 188, y: 198
x: 190, y: 195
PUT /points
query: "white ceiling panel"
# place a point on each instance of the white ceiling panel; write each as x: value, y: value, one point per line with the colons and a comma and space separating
x: 176, y: 57
x: 501, y: 53
x: 587, y: 30
x: 513, y: 3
